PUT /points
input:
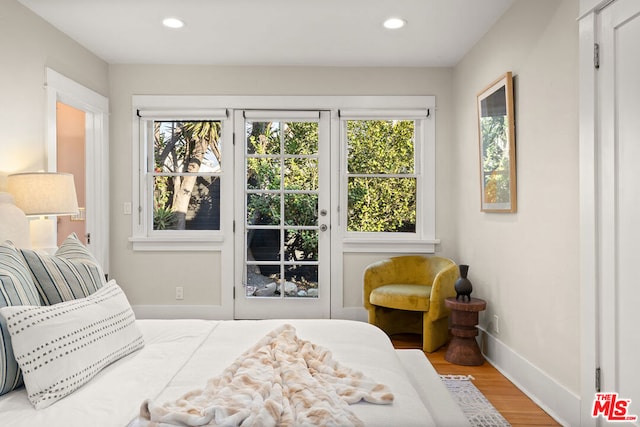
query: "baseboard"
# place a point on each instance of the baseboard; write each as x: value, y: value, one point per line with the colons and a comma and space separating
x: 560, y: 403
x: 349, y: 313
x: 218, y: 312
x: 213, y: 312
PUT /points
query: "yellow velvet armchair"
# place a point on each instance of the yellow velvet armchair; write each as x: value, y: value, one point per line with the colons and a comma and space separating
x: 405, y: 294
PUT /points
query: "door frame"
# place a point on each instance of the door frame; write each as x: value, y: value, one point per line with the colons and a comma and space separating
x: 60, y: 88
x: 588, y: 215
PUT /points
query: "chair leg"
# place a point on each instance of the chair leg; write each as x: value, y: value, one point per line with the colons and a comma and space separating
x: 434, y: 333
x: 372, y: 315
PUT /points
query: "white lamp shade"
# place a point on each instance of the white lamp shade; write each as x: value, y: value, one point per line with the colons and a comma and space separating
x: 44, y: 193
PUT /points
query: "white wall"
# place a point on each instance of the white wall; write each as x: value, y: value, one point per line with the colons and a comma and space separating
x: 129, y: 267
x: 28, y: 45
x: 526, y: 264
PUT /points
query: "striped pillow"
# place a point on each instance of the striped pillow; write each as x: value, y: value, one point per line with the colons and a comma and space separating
x: 61, y: 347
x: 69, y: 274
x: 16, y: 288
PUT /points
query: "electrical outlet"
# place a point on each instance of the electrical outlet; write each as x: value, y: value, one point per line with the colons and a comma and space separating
x: 179, y: 293
x: 496, y: 323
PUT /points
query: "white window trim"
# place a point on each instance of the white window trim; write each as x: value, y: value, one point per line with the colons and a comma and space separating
x: 355, y: 106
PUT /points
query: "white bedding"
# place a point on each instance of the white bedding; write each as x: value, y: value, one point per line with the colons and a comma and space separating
x: 180, y: 355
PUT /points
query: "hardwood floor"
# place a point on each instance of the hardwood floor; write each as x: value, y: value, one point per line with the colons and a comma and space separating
x: 513, y: 404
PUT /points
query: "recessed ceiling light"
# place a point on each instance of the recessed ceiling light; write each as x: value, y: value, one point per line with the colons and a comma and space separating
x: 394, y: 23
x: 172, y: 23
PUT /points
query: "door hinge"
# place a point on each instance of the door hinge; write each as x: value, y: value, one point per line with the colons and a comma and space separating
x: 88, y: 236
x: 234, y: 226
x: 596, y: 55
x: 234, y: 292
x: 598, y: 380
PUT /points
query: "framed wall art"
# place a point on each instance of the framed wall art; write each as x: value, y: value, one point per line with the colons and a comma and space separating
x: 496, y: 131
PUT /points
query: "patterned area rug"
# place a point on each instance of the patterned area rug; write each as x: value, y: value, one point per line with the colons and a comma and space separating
x: 478, y: 410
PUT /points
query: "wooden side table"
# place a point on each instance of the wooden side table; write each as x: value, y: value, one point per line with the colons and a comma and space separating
x: 463, y: 348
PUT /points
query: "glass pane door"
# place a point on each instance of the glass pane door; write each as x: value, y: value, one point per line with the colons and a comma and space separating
x: 285, y: 238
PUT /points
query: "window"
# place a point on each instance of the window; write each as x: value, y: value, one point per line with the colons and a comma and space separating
x: 185, y: 172
x: 389, y: 175
x: 181, y: 177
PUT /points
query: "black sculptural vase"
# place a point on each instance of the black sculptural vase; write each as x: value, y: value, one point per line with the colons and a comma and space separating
x: 463, y: 285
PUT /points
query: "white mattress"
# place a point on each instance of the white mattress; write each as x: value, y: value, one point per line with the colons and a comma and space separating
x: 180, y: 355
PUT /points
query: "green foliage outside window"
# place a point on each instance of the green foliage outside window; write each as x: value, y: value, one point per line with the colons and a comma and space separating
x: 381, y: 176
x: 292, y: 146
x: 185, y: 189
x: 381, y: 182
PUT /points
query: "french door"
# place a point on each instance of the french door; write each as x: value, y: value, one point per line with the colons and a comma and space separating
x: 282, y: 218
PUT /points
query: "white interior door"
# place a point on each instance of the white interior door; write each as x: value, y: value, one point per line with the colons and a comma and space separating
x: 282, y: 214
x: 619, y: 201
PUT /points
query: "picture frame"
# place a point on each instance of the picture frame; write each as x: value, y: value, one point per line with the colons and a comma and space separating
x: 497, y: 146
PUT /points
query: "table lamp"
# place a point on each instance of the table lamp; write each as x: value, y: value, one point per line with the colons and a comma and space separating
x: 45, y: 195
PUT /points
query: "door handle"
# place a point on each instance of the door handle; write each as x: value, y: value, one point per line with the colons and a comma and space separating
x: 323, y: 227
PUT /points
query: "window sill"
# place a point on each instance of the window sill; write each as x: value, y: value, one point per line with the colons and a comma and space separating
x: 176, y: 243
x: 390, y: 245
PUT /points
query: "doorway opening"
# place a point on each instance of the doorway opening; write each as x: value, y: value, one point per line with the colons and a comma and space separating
x: 71, y: 158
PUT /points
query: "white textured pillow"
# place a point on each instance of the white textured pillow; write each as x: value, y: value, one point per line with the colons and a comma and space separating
x: 62, y: 346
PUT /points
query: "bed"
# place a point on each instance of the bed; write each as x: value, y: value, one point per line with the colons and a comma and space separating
x: 174, y: 357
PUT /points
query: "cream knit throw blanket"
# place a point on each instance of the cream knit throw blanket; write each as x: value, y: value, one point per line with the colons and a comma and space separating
x: 281, y: 381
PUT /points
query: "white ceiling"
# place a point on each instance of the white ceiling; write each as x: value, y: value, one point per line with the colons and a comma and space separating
x: 274, y: 32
